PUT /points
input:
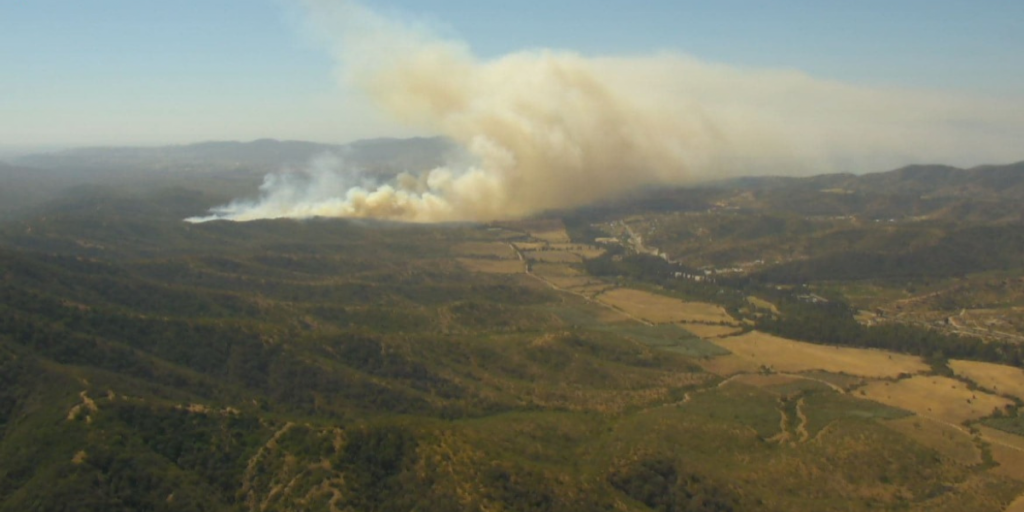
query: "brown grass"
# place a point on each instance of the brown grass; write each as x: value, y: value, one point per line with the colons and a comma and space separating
x: 551, y: 230
x: 548, y: 270
x: 485, y: 249
x: 574, y: 283
x: 553, y: 256
x: 499, y: 233
x: 793, y: 356
x: 724, y: 366
x: 949, y: 441
x: 1007, y: 450
x: 612, y: 316
x: 936, y: 397
x: 660, y: 309
x: 762, y: 304
x: 1002, y: 379
x: 1017, y: 505
x: 764, y: 381
x: 554, y: 236
x: 712, y: 331
x: 592, y: 290
x: 492, y: 266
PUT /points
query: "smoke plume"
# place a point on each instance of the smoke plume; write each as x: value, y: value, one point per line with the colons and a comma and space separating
x: 550, y: 129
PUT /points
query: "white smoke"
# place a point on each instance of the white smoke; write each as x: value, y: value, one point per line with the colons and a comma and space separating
x: 549, y: 129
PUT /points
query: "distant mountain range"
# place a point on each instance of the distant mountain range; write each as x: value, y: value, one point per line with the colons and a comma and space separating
x: 234, y: 169
x: 389, y: 156
x: 260, y: 156
x: 925, y: 180
x: 223, y: 169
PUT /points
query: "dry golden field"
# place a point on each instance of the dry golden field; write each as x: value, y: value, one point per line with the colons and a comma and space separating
x: 499, y: 250
x: 793, y: 356
x: 936, y: 397
x: 950, y: 441
x: 536, y: 227
x: 1002, y: 379
x: 551, y: 231
x: 491, y: 266
x: 550, y: 270
x: 1017, y: 505
x: 660, y: 309
x: 1007, y: 450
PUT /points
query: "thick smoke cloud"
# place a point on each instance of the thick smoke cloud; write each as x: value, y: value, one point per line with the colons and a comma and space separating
x: 550, y: 129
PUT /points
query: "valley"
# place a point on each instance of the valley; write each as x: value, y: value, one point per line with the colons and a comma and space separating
x: 572, y: 361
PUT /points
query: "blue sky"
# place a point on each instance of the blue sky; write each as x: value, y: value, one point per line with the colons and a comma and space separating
x: 147, y: 72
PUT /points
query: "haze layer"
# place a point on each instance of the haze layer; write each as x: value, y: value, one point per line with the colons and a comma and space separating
x: 546, y: 129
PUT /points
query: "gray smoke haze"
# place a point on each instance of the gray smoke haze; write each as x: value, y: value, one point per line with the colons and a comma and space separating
x: 549, y: 129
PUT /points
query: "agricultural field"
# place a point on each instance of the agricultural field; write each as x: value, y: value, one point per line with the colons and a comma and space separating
x: 937, y: 397
x: 581, y: 313
x: 731, y: 364
x: 548, y: 231
x: 783, y: 355
x: 1007, y: 450
x: 997, y: 378
x: 586, y: 286
x: 546, y: 270
x: 496, y: 250
x: 553, y: 256
x: 662, y: 309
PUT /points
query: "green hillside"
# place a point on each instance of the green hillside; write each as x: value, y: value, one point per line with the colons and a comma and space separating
x: 151, y: 364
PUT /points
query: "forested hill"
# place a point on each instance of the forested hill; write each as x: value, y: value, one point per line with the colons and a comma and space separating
x: 925, y: 180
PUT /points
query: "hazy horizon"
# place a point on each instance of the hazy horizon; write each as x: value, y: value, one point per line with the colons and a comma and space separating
x: 546, y: 128
x: 119, y: 73
x: 552, y: 106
